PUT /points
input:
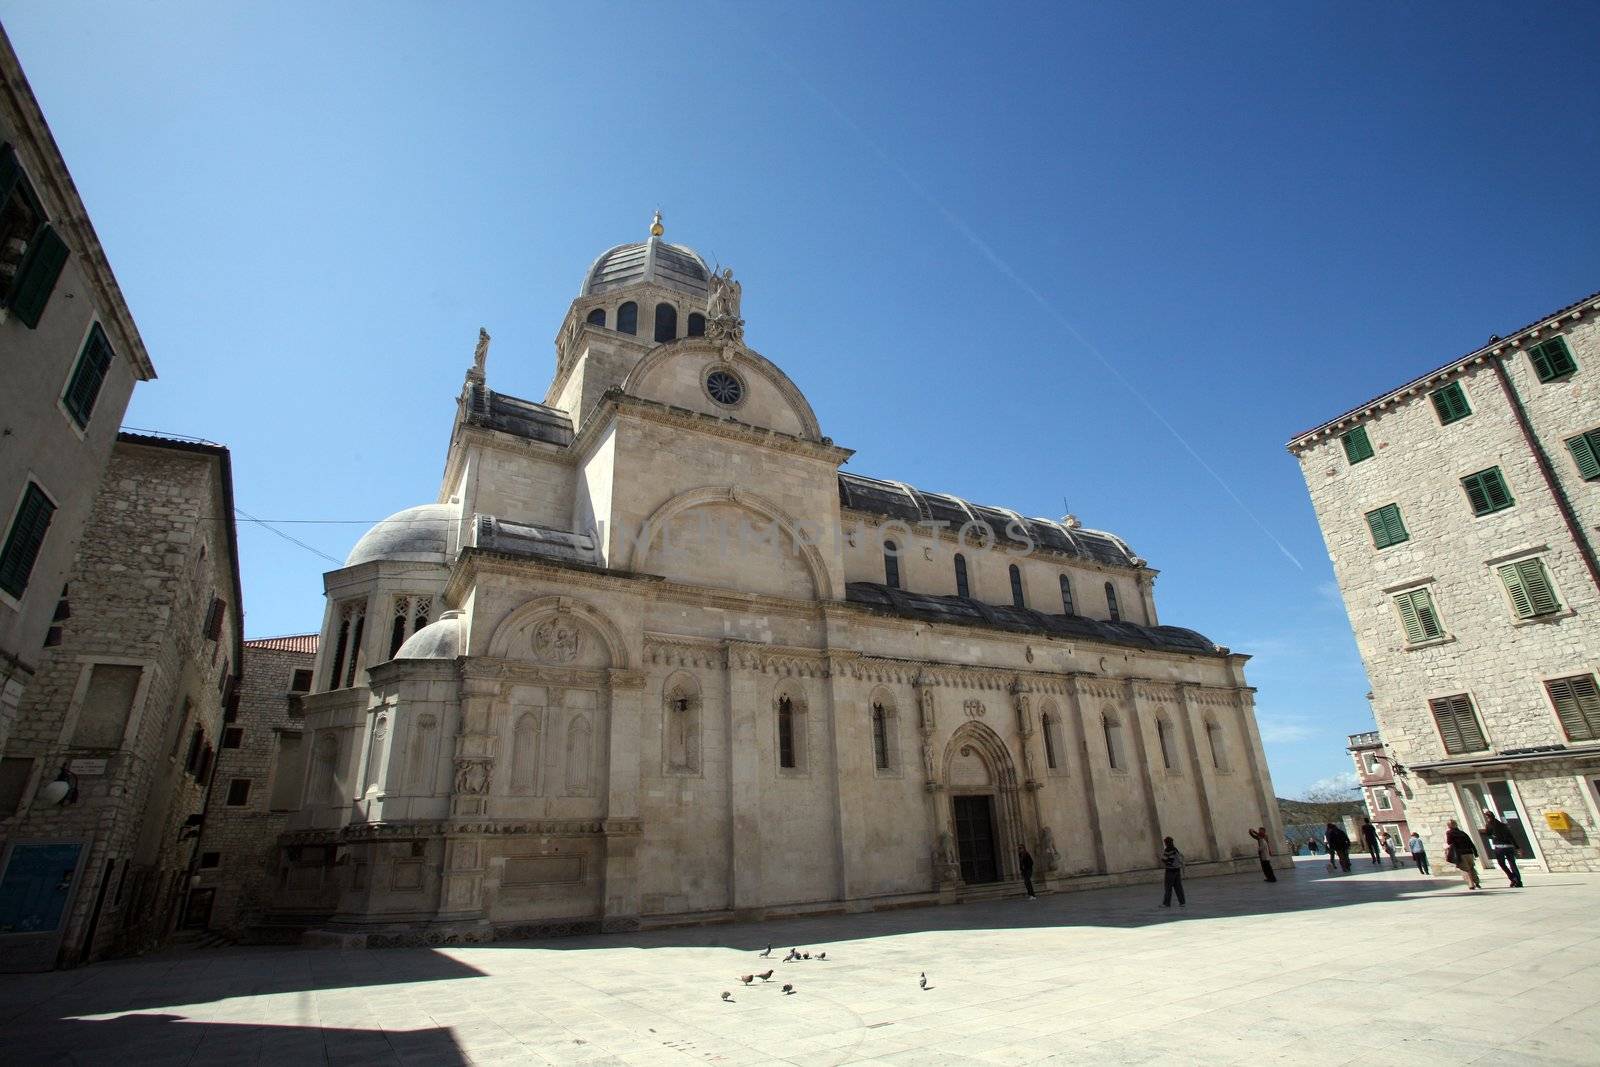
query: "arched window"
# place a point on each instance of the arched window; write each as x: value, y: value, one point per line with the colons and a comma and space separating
x: 1016, y: 588
x: 697, y: 324
x: 666, y: 322
x: 410, y: 615
x: 597, y: 317
x: 962, y: 588
x: 1050, y: 742
x: 1113, y: 732
x: 786, y: 733
x: 1066, y: 596
x: 628, y: 318
x: 1219, y: 746
x: 1111, y: 603
x: 891, y: 565
x: 1169, y: 755
x: 880, y: 737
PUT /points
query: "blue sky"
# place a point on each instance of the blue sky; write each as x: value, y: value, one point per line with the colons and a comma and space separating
x: 1019, y: 253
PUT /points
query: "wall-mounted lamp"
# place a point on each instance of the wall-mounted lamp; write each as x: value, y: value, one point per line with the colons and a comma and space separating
x: 60, y: 792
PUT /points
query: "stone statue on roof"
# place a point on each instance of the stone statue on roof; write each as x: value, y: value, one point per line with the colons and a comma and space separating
x: 480, y: 354
x: 723, y: 294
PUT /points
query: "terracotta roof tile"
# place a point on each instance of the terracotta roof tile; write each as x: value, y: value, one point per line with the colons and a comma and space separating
x: 291, y: 643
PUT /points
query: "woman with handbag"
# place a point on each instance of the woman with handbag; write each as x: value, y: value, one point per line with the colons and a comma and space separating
x: 1459, y: 850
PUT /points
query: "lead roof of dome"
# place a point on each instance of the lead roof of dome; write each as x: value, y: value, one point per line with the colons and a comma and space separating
x: 418, y: 535
x: 440, y: 639
x: 671, y: 266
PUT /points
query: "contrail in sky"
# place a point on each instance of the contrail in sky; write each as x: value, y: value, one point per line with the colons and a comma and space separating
x: 999, y: 264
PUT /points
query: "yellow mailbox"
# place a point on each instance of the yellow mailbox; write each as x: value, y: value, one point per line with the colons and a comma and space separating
x: 1558, y: 820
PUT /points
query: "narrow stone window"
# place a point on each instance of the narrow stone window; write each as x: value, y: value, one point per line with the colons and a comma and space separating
x: 786, y: 733
x: 1219, y: 746
x: 628, y: 318
x: 666, y: 322
x: 962, y: 589
x: 891, y: 565
x: 1113, y: 731
x: 1112, y: 609
x: 347, y: 644
x: 1050, y: 742
x: 880, y: 737
x: 1066, y: 596
x: 697, y: 324
x: 1164, y: 736
x: 1017, y: 599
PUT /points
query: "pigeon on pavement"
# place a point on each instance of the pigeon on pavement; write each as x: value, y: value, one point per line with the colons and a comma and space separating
x: 787, y: 989
x: 822, y: 955
x: 923, y: 982
x: 727, y: 996
x: 766, y: 975
x: 768, y: 952
x: 747, y: 978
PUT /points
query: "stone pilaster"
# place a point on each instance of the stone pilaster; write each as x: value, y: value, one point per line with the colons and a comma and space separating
x: 622, y: 826
x: 1093, y: 778
x: 1186, y: 719
x: 746, y: 712
x: 1141, y: 754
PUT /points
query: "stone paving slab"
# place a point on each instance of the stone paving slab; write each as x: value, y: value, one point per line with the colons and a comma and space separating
x: 1376, y: 965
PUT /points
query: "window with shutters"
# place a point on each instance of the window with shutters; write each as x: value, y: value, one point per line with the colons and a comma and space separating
x: 1418, y: 618
x: 410, y: 615
x: 1487, y: 491
x: 212, y: 628
x: 1356, y: 445
x: 88, y: 375
x: 1017, y: 599
x: 1528, y: 585
x: 1458, y: 724
x: 1585, y: 449
x: 962, y: 588
x: 1113, y: 610
x: 31, y: 252
x: 1577, y: 704
x: 1450, y: 403
x: 23, y: 541
x: 1066, y: 596
x: 1552, y: 359
x: 1386, y: 526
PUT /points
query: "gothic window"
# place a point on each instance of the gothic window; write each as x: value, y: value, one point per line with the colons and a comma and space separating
x: 891, y: 565
x: 1219, y: 746
x: 1066, y: 596
x: 628, y: 318
x: 580, y: 754
x: 880, y: 737
x: 410, y: 615
x: 666, y: 322
x: 1016, y: 588
x: 1111, y: 603
x: 375, y: 751
x: 597, y: 317
x: 1052, y: 741
x: 525, y: 754
x: 1169, y: 755
x: 681, y: 726
x: 697, y: 324
x: 420, y: 765
x: 1113, y: 732
x: 785, y: 732
x: 352, y: 620
x: 962, y: 589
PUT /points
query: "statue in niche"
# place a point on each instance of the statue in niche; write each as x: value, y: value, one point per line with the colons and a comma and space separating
x: 1049, y: 858
x: 472, y: 777
x: 556, y: 641
x: 946, y: 854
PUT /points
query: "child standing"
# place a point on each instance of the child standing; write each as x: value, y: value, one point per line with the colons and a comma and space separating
x: 1419, y: 852
x: 1172, y: 869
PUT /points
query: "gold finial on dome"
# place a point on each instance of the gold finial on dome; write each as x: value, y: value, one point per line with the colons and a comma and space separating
x: 656, y: 229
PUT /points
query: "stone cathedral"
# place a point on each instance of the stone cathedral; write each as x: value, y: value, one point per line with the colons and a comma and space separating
x: 652, y: 657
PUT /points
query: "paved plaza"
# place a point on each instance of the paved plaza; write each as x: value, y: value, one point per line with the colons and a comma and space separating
x: 1379, y: 966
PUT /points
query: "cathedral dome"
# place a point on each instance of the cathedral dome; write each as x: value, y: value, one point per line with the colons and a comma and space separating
x: 437, y: 640
x: 676, y: 267
x: 416, y: 535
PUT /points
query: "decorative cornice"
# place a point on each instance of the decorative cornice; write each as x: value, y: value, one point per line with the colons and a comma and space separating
x: 616, y: 403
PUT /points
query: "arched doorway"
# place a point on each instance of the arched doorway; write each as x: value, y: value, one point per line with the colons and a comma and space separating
x: 985, y: 817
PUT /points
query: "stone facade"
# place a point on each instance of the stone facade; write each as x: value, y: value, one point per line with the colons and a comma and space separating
x: 1492, y: 661
x: 1380, y: 790
x: 58, y: 450
x: 128, y: 708
x: 651, y: 658
x: 256, y: 785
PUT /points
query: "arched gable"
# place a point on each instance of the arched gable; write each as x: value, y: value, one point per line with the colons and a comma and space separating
x: 675, y: 372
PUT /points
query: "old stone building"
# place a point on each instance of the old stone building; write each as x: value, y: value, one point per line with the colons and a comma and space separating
x: 1380, y: 787
x: 116, y: 737
x: 71, y: 357
x: 257, y: 783
x: 649, y: 656
x: 1459, y: 510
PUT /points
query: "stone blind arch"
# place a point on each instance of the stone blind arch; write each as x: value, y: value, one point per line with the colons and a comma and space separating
x: 521, y: 620
x: 681, y: 717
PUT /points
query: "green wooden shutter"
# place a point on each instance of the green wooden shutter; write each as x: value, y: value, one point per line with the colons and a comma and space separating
x: 1409, y: 619
x: 1512, y: 576
x: 1577, y: 704
x: 1487, y: 491
x: 1477, y: 496
x: 24, y: 540
x: 1586, y: 454
x: 88, y: 376
x: 30, y: 292
x: 1356, y: 445
x: 1418, y: 616
x: 1450, y: 403
x: 1458, y: 725
x: 1386, y: 526
x: 10, y: 172
x: 1530, y: 590
x: 1552, y: 359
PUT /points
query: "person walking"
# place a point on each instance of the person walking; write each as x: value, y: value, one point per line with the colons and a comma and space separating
x: 1388, y: 848
x: 1264, y: 854
x: 1172, y: 874
x: 1338, y: 843
x: 1459, y: 850
x: 1502, y: 846
x: 1025, y: 861
x: 1369, y: 838
x: 1311, y: 843
x: 1419, y: 853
